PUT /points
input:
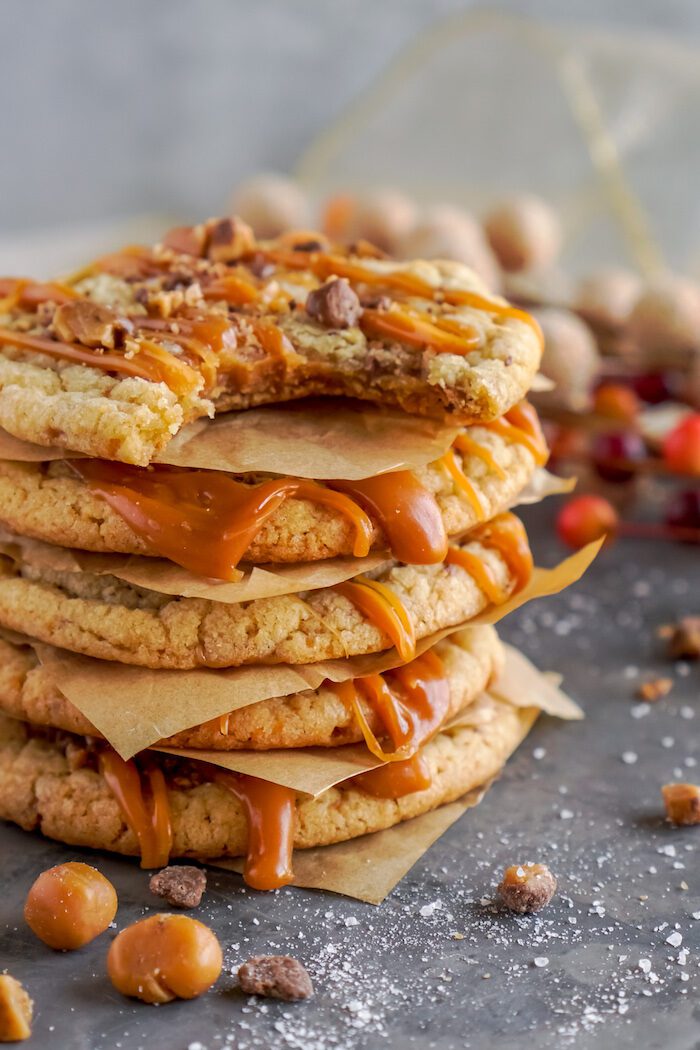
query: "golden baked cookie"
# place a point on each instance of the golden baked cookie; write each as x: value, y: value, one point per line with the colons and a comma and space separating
x: 471, y: 658
x: 116, y: 360
x: 104, y: 617
x: 40, y: 788
x: 49, y: 501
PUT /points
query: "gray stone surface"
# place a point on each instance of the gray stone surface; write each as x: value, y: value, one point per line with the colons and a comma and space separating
x: 397, y: 975
x: 117, y: 108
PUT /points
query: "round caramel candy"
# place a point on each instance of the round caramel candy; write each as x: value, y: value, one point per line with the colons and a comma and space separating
x: 69, y: 905
x: 524, y: 232
x: 666, y: 318
x: 164, y: 957
x: 271, y: 204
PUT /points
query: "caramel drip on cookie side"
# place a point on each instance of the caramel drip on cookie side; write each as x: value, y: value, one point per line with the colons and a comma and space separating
x: 149, y: 820
x: 271, y: 815
x: 420, y: 330
x: 21, y: 291
x: 408, y: 513
x: 521, y: 425
x: 204, y: 520
x: 479, y: 571
x: 411, y: 703
x: 462, y: 482
x: 506, y: 534
x: 470, y: 447
x: 384, y: 609
x: 394, y: 780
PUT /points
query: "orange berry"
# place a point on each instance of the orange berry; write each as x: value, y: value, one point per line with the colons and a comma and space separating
x: 681, y: 448
x: 615, y: 401
x: 69, y: 905
x: 585, y: 519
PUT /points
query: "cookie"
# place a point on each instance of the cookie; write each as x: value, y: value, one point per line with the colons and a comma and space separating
x: 40, y: 788
x: 313, y: 718
x: 47, y: 501
x: 116, y: 361
x: 104, y: 617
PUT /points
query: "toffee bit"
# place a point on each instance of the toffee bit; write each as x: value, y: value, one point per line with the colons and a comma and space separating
x: 527, y: 887
x: 682, y: 802
x: 275, y: 976
x: 334, y: 304
x: 229, y: 239
x: 654, y: 689
x: 181, y: 885
x: 90, y: 324
x: 684, y: 639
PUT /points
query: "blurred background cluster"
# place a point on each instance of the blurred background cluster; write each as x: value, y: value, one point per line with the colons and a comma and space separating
x: 552, y: 147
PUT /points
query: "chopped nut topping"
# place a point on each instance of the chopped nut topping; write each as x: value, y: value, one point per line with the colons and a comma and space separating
x: 229, y: 239
x: 181, y: 885
x: 654, y: 689
x: 684, y: 640
x: 186, y: 240
x: 276, y: 976
x: 90, y: 324
x: 527, y: 887
x: 334, y: 304
x: 16, y: 1009
x: 682, y: 803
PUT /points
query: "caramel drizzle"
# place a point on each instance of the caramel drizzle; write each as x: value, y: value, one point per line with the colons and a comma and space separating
x: 479, y: 571
x: 148, y: 817
x: 271, y: 815
x: 395, y: 779
x: 467, y: 445
x: 410, y: 702
x: 384, y: 609
x: 462, y: 482
x: 521, y: 425
x: 505, y: 534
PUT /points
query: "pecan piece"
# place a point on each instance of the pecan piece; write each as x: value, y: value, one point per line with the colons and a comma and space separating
x: 682, y: 803
x: 181, y: 885
x: 684, y: 643
x: 334, y: 304
x: 527, y: 887
x: 16, y: 1009
x: 275, y: 976
x: 90, y: 324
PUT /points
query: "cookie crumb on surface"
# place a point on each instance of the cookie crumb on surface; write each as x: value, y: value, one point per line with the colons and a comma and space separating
x: 16, y: 1009
x: 527, y: 887
x: 181, y: 885
x: 682, y: 803
x: 275, y: 976
x: 684, y: 639
x: 654, y: 689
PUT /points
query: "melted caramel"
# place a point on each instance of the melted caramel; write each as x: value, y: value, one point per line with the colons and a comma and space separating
x: 470, y: 447
x: 411, y: 703
x: 395, y: 779
x: 418, y: 329
x: 384, y: 609
x: 271, y: 814
x: 449, y: 462
x: 506, y: 534
x: 521, y: 424
x: 479, y: 571
x: 408, y: 513
x: 148, y: 819
x: 203, y: 519
x: 20, y: 291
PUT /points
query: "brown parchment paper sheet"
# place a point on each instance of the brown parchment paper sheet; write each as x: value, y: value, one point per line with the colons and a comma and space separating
x: 312, y: 770
x: 134, y: 707
x: 321, y: 439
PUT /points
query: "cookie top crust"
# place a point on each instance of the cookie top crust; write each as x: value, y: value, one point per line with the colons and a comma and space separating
x: 116, y: 359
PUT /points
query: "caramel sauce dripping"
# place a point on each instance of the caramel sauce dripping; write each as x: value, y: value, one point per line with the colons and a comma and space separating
x: 406, y: 510
x: 411, y: 703
x: 521, y: 424
x: 203, y: 519
x: 271, y: 814
x: 481, y: 574
x: 506, y: 534
x: 20, y: 291
x: 152, y: 362
x: 449, y: 462
x: 384, y: 609
x: 149, y: 819
x: 470, y: 447
x: 395, y: 779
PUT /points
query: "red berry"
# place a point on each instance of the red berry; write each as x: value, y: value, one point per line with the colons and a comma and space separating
x: 681, y: 448
x: 611, y: 453
x: 654, y: 387
x: 616, y: 401
x: 684, y: 510
x: 584, y: 519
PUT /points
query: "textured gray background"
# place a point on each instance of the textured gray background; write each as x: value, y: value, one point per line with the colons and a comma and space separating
x: 116, y: 108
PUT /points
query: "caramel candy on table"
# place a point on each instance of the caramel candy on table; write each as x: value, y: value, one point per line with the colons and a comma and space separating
x: 682, y: 803
x: 69, y: 905
x: 164, y: 957
x: 16, y: 1010
x: 527, y: 887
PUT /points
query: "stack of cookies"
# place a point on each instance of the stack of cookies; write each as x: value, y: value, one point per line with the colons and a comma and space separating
x: 185, y: 598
